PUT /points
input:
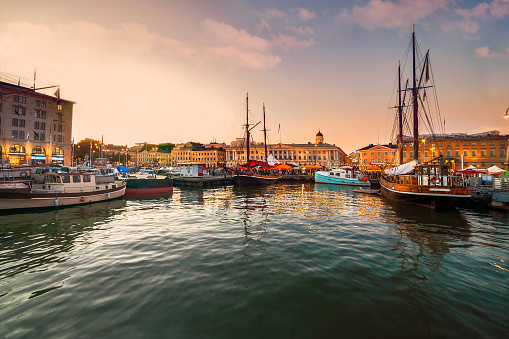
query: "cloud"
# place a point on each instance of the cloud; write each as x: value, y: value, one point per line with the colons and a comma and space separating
x: 388, y: 14
x: 485, y: 53
x: 305, y: 31
x: 497, y: 9
x: 305, y: 15
x: 288, y: 42
x: 466, y: 26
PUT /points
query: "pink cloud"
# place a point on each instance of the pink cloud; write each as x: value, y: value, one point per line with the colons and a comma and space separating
x: 466, y: 26
x: 485, y: 53
x: 275, y: 13
x: 305, y: 15
x: 301, y: 30
x: 496, y: 9
x: 288, y: 42
x: 388, y: 14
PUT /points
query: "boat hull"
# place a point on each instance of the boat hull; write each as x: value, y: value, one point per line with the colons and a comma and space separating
x: 434, y: 197
x: 22, y: 200
x: 324, y: 179
x: 253, y: 179
x: 149, y: 186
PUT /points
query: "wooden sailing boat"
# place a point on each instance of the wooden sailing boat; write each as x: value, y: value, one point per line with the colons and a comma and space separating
x: 429, y: 184
x: 250, y: 177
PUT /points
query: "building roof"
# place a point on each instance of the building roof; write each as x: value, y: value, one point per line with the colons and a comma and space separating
x: 28, y: 90
x: 370, y: 146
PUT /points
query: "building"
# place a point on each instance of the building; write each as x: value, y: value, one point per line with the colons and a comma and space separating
x: 481, y: 150
x: 153, y: 157
x: 210, y: 155
x: 35, y: 128
x: 377, y: 155
x: 299, y: 154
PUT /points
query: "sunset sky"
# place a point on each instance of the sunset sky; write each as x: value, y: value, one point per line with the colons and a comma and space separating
x: 176, y: 71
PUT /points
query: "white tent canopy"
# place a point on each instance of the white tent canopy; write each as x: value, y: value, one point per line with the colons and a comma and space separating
x: 495, y: 169
x: 271, y: 160
x: 402, y: 169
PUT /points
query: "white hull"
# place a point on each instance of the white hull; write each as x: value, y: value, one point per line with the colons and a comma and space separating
x: 58, y: 201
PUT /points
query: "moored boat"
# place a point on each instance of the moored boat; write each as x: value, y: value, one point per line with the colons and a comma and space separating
x: 248, y: 177
x: 429, y: 184
x: 344, y: 175
x: 59, y: 189
x: 151, y: 184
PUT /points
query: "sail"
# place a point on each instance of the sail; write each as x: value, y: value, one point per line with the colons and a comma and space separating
x: 402, y: 169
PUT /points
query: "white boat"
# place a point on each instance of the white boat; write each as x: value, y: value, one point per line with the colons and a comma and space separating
x: 59, y: 189
x: 344, y: 175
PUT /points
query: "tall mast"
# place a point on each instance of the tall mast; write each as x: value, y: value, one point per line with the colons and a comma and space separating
x: 247, y: 131
x: 416, y: 107
x: 400, y: 117
x: 264, y: 133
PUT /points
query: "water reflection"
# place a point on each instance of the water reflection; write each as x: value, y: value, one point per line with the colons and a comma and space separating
x: 31, y: 240
x: 425, y: 237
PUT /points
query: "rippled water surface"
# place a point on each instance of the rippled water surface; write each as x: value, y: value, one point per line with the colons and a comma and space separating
x: 287, y: 261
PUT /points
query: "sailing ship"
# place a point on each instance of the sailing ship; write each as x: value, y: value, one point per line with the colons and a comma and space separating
x: 430, y: 184
x: 249, y: 176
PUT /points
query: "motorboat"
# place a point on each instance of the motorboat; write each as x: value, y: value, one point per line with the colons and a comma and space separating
x: 344, y: 175
x: 57, y: 190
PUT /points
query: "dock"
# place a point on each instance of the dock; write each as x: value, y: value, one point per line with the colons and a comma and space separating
x: 205, y: 181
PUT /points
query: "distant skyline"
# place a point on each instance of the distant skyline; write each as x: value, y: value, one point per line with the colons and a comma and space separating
x: 176, y: 71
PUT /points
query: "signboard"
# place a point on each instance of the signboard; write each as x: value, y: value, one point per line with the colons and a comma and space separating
x: 38, y: 157
x: 55, y: 158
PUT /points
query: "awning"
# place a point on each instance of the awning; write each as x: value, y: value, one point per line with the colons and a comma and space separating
x: 123, y: 169
x: 402, y: 169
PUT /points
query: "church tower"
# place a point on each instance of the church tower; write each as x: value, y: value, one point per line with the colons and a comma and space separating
x: 319, y: 138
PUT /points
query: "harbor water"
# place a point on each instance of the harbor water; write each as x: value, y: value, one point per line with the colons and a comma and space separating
x: 285, y: 261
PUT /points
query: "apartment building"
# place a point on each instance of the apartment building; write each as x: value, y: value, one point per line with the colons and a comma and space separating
x: 35, y: 128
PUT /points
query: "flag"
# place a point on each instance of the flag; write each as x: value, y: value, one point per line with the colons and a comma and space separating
x: 57, y: 93
x: 28, y: 138
x: 50, y: 139
x: 279, y: 128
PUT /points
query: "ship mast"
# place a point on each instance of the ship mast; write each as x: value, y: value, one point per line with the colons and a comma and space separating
x: 400, y: 117
x: 247, y: 131
x: 416, y: 107
x: 264, y: 133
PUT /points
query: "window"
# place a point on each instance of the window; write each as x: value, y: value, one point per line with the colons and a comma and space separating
x: 492, y: 152
x: 86, y: 178
x: 465, y: 164
x: 474, y: 153
x: 465, y: 144
x: 483, y: 143
x: 465, y: 153
x: 440, y: 145
x: 66, y: 179
x: 425, y: 153
x: 502, y: 152
x: 43, y: 114
x: 449, y: 153
x: 60, y: 117
x: 457, y: 144
x: 492, y: 143
x: 21, y: 122
x: 43, y: 125
x: 42, y: 136
x: 492, y: 163
x: 456, y: 153
x: 379, y: 153
x: 61, y: 129
x: 483, y: 163
x: 21, y: 134
x: 448, y: 144
x: 474, y: 144
x: 385, y: 153
x: 37, y: 124
x: 14, y: 122
x: 483, y: 153
x: 14, y: 134
x: 37, y: 113
x: 36, y: 136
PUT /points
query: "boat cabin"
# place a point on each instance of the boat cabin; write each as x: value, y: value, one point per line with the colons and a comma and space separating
x: 71, y: 183
x: 433, y: 175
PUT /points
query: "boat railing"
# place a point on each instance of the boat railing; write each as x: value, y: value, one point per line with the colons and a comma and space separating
x: 444, y: 181
x: 57, y: 187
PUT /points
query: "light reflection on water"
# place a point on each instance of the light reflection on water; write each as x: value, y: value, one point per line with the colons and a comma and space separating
x: 283, y: 261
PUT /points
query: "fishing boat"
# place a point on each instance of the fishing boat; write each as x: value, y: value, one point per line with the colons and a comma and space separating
x: 57, y: 190
x: 344, y: 175
x: 148, y: 184
x: 431, y: 184
x: 254, y: 172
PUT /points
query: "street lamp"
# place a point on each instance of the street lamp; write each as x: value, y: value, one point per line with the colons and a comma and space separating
x: 506, y: 116
x: 423, y: 149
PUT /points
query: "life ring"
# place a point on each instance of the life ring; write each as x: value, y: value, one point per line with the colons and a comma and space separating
x: 436, y: 180
x: 23, y: 174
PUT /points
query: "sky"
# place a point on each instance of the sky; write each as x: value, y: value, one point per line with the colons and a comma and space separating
x: 175, y: 71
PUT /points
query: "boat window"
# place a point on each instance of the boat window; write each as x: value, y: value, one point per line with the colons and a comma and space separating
x: 66, y: 179
x: 331, y: 173
x: 76, y: 178
x: 86, y: 178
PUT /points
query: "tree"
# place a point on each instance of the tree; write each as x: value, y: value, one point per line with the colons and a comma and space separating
x: 82, y: 148
x: 166, y: 146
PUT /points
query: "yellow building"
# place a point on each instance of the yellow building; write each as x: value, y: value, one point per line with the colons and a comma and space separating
x: 210, y: 155
x: 152, y: 158
x: 298, y: 154
x: 481, y: 150
x: 377, y: 155
x: 35, y: 128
